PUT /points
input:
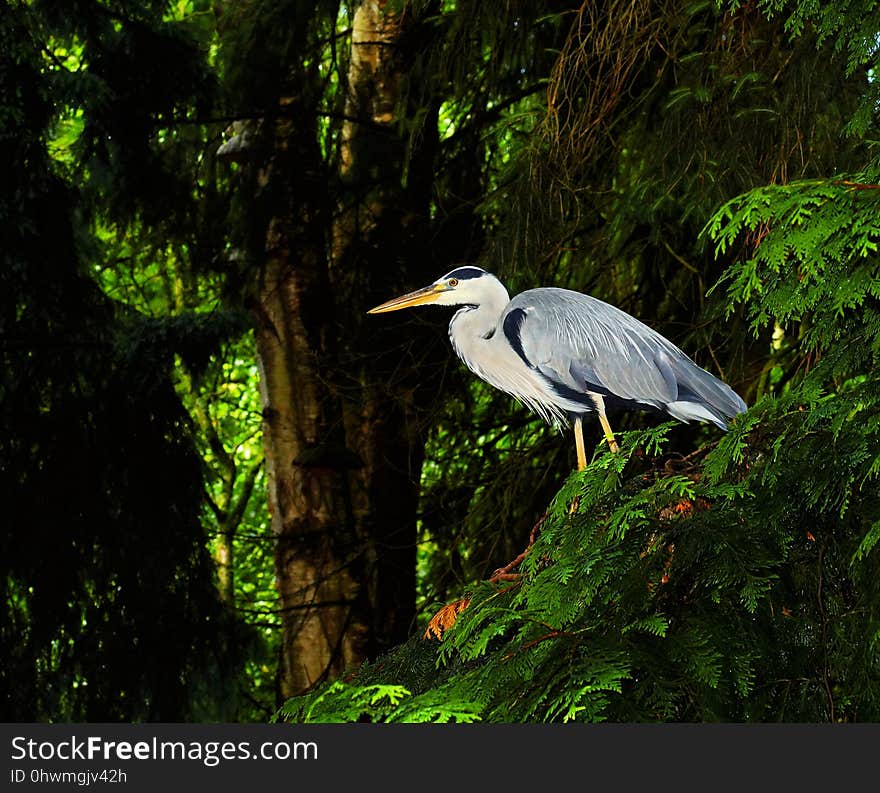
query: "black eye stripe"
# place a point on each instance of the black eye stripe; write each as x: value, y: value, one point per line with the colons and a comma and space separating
x: 463, y: 273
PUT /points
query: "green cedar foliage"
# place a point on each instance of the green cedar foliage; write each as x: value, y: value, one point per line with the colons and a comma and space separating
x: 733, y: 583
x: 736, y: 585
x: 739, y: 584
x: 850, y: 27
x: 716, y: 103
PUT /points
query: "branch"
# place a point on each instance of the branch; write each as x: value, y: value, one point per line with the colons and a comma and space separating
x: 856, y: 185
x: 493, y: 113
x: 219, y: 513
x: 236, y: 512
x: 504, y: 573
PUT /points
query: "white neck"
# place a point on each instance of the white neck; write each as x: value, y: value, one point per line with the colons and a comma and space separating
x: 477, y: 338
x: 473, y: 324
x: 480, y: 342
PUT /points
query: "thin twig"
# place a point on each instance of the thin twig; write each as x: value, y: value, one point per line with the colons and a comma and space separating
x: 504, y: 573
x: 551, y: 635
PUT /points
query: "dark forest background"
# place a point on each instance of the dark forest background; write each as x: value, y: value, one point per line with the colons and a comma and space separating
x: 230, y: 495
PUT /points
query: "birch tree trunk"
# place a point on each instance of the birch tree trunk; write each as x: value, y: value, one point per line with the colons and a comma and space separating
x: 380, y: 232
x: 342, y: 476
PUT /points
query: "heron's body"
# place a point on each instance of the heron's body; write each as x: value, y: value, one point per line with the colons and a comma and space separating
x: 564, y: 354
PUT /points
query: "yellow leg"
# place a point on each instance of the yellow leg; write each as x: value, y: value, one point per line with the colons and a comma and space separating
x: 582, y: 458
x: 579, y: 443
x: 609, y: 435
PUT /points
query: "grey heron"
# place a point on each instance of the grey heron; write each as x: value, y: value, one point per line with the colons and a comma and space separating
x: 565, y: 354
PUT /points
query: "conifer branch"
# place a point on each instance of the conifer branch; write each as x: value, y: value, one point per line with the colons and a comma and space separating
x: 856, y: 185
x: 504, y: 573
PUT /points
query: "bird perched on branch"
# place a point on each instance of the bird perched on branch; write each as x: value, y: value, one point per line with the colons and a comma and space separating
x: 565, y: 354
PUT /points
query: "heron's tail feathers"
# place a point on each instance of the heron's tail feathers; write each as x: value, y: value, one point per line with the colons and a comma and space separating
x: 703, y: 397
x: 694, y: 411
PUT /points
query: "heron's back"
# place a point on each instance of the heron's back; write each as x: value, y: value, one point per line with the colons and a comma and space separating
x: 580, y: 343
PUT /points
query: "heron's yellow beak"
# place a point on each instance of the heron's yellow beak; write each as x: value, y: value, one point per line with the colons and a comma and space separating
x: 427, y: 295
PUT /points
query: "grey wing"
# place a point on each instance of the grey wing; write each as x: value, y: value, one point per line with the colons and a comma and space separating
x: 586, y: 345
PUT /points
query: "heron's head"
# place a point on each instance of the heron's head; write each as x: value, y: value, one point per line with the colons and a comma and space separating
x: 462, y: 286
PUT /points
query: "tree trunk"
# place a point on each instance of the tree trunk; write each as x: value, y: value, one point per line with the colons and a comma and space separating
x: 323, y: 623
x: 379, y: 231
x: 343, y: 448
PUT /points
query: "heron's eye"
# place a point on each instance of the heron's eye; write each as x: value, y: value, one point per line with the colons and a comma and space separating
x: 453, y: 282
